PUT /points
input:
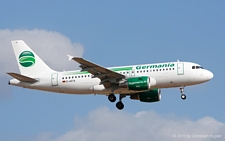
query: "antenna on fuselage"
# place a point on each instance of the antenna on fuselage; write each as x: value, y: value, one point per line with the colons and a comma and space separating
x: 178, y: 60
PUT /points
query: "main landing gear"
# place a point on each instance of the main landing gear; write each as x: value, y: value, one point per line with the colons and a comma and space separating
x: 112, y: 98
x: 119, y: 104
x: 183, y: 96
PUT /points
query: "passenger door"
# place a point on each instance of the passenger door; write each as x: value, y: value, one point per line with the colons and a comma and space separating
x: 54, y: 79
x: 180, y: 68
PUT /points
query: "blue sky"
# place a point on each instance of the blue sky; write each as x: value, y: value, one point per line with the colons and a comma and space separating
x: 113, y: 33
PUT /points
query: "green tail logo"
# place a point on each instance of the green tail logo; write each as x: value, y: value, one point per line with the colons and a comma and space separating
x: 27, y: 59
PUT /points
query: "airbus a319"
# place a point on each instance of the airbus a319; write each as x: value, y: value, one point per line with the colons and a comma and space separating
x: 140, y: 82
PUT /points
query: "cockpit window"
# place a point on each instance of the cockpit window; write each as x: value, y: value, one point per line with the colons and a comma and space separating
x: 197, y: 67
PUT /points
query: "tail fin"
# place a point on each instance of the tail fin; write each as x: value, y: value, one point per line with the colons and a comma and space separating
x: 29, y: 63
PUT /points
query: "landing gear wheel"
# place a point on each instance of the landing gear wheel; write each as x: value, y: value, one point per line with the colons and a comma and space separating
x: 183, y: 96
x: 119, y: 105
x: 112, y: 98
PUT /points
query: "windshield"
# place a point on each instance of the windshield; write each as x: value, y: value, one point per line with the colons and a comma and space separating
x: 197, y: 67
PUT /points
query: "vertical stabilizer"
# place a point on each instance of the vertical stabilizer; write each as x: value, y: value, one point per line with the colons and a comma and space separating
x: 28, y: 61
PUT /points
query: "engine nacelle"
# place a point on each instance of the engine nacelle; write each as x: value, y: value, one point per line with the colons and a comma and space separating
x: 137, y: 83
x: 148, y: 96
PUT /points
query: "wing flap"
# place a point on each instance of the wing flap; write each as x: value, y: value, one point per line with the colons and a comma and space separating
x: 22, y: 78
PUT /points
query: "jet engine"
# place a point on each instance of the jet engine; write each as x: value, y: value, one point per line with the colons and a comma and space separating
x: 136, y: 83
x: 148, y: 96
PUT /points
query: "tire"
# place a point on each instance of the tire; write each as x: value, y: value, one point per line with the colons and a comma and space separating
x: 119, y: 105
x: 112, y: 98
x: 183, y: 96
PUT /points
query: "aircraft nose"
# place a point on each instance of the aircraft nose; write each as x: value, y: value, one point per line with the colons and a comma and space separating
x: 209, y: 75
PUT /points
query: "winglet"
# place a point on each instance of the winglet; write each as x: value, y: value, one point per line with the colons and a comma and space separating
x: 73, y: 57
x: 70, y: 57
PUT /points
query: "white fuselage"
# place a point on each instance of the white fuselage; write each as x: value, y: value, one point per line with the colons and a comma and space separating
x: 162, y: 75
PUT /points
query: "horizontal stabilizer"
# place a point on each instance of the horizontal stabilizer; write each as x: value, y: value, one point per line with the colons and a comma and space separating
x: 22, y: 78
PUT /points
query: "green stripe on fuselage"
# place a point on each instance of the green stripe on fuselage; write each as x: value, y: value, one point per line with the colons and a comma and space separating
x: 76, y: 73
x: 86, y: 72
x: 122, y: 69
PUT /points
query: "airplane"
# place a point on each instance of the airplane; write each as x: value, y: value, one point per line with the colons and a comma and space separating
x: 141, y: 82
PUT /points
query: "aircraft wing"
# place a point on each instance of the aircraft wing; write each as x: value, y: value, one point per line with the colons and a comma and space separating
x: 108, y: 77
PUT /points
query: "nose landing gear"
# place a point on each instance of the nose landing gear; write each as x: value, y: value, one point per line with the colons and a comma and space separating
x: 183, y: 96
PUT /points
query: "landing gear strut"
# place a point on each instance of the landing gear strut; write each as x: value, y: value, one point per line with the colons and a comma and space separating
x: 183, y: 96
x: 120, y: 104
x: 111, y: 96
